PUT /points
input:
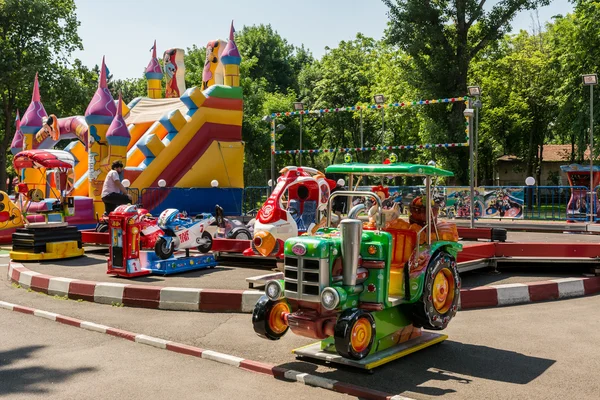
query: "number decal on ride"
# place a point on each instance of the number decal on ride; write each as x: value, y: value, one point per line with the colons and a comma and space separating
x: 184, y: 236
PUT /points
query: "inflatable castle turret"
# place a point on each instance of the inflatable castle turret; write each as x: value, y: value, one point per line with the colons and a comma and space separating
x: 99, y: 115
x: 33, y: 119
x: 17, y: 143
x: 154, y: 76
x: 117, y: 138
x: 231, y: 60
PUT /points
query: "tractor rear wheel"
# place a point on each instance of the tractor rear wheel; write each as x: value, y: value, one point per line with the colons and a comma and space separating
x: 439, y: 301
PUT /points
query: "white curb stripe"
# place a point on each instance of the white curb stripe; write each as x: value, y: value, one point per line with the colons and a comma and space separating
x: 222, y: 358
x: 512, y: 293
x: 45, y: 314
x: 7, y: 306
x: 570, y: 287
x: 249, y: 299
x: 173, y: 298
x: 108, y: 293
x: 151, y: 341
x: 25, y: 278
x: 318, y: 381
x: 90, y: 326
x: 59, y: 286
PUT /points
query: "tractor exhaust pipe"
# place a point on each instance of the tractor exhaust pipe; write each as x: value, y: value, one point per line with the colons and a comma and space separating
x: 350, y: 233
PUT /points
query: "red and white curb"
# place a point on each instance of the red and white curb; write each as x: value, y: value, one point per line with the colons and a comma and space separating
x: 215, y: 300
x: 165, y: 298
x: 522, y: 293
x: 238, y: 362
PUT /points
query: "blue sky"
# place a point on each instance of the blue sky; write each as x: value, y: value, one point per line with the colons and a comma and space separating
x: 124, y: 30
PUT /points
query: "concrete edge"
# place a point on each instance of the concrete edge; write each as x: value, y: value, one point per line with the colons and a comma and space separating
x: 227, y: 359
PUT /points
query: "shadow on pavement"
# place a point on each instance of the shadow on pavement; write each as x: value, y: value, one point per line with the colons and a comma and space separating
x: 78, y: 262
x: 448, y: 361
x: 31, y: 379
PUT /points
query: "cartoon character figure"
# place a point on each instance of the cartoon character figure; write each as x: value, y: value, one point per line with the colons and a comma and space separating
x: 171, y: 90
x: 347, y: 158
x: 210, y: 64
x: 49, y: 129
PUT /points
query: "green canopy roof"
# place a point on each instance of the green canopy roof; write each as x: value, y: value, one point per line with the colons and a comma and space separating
x: 387, y: 169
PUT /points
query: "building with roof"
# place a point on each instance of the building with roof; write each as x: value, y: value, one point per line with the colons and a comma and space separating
x: 512, y: 170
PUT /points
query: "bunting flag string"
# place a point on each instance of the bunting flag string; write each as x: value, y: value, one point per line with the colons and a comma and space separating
x: 374, y: 148
x: 370, y: 107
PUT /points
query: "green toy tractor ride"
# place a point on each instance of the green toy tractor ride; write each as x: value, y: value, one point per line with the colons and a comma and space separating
x: 364, y: 287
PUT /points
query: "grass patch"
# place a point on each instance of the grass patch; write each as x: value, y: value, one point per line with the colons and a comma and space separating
x: 16, y: 285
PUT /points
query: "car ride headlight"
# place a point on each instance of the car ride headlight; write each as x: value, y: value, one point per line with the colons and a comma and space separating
x: 274, y: 290
x: 330, y: 298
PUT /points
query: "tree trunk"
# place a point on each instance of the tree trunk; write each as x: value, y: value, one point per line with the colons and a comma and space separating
x: 4, y: 146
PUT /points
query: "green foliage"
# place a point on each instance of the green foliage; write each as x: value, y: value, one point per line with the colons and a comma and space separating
x: 129, y: 88
x: 441, y: 38
x: 35, y: 35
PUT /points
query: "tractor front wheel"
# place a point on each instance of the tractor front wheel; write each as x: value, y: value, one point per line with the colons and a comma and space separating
x: 268, y: 318
x: 354, y: 334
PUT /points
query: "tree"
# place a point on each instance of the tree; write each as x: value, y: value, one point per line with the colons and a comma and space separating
x: 277, y: 61
x: 442, y: 37
x: 35, y: 35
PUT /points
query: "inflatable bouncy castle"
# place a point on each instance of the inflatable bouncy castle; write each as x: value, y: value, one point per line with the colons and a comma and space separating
x: 186, y: 137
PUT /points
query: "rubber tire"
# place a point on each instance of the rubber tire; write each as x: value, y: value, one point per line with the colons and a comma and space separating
x: 424, y: 313
x: 260, y: 319
x: 205, y: 248
x: 160, y: 249
x: 102, y: 228
x: 242, y: 232
x: 343, y: 330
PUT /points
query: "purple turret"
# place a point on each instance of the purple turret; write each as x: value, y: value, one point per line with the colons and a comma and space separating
x: 154, y: 76
x: 17, y: 142
x: 231, y: 54
x: 101, y: 109
x: 118, y: 134
x: 33, y: 119
x: 231, y: 60
x: 153, y: 70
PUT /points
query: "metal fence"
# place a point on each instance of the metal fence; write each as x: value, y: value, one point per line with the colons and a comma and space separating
x: 135, y: 195
x: 551, y: 203
x: 253, y: 198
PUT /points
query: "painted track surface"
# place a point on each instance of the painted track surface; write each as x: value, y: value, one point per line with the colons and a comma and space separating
x: 531, y: 351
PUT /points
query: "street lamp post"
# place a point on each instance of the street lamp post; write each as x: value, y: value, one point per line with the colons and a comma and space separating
x: 469, y: 114
x: 591, y: 80
x: 380, y: 101
x: 475, y: 91
x: 274, y: 130
x: 300, y: 107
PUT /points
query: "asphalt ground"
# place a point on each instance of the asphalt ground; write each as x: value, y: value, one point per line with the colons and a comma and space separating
x: 45, y: 359
x: 535, y: 351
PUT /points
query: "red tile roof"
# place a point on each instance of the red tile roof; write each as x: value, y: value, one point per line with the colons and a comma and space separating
x: 552, y: 153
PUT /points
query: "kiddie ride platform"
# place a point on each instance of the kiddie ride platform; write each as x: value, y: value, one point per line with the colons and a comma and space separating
x: 149, y: 263
x: 417, y: 340
x: 46, y: 241
x: 130, y: 256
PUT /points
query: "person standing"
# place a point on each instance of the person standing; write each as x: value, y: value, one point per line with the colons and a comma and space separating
x: 113, y: 192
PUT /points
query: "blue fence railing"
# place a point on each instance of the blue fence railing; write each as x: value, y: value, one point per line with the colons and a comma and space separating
x: 551, y: 203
